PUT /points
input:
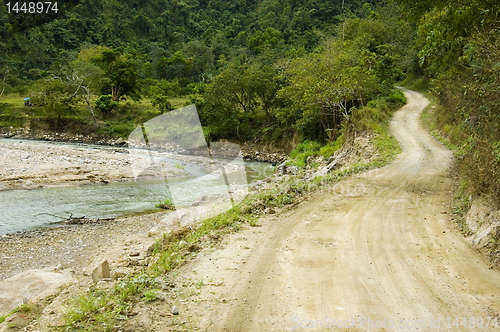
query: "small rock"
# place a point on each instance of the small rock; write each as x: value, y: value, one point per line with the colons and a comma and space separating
x: 134, y: 254
x: 293, y: 170
x: 133, y: 312
x: 117, y: 275
x: 309, y: 160
x: 101, y: 271
x: 119, y: 141
x: 281, y: 169
x: 175, y: 310
x: 130, y: 327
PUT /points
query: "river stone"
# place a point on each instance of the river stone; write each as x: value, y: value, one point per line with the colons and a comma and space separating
x: 175, y: 310
x: 119, y: 141
x: 281, y: 169
x: 101, y: 271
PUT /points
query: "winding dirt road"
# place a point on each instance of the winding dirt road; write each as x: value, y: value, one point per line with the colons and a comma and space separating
x: 378, y: 252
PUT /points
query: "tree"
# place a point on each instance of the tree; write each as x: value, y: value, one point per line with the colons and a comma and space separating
x: 4, y: 75
x: 55, y: 96
x: 84, y: 78
x: 238, y: 98
x: 120, y: 76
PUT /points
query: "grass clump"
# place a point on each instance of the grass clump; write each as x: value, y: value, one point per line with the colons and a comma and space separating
x: 461, y: 206
x: 150, y: 295
x: 303, y: 151
x: 100, y: 310
x: 179, y: 165
x: 167, y: 204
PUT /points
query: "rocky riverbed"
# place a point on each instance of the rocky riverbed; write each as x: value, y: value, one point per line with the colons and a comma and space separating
x: 28, y: 165
x: 71, y: 246
x: 250, y: 151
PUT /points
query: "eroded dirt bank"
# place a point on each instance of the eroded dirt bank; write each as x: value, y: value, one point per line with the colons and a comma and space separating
x: 379, y: 246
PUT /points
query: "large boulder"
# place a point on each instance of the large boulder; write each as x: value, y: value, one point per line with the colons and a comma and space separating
x: 26, y: 285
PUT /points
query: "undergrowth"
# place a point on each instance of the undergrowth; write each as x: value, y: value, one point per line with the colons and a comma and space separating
x: 462, y: 195
x: 99, y: 309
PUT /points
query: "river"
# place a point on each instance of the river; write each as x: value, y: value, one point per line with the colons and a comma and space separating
x: 28, y: 209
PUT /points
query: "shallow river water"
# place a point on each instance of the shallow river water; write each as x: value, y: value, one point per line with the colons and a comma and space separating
x: 27, y: 209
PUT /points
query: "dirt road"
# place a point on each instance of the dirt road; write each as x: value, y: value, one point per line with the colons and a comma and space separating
x: 379, y: 252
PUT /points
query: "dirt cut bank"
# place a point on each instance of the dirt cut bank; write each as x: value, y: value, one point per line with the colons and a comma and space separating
x: 379, y: 251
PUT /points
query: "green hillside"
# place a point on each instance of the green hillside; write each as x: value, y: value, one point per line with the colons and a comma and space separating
x: 266, y: 70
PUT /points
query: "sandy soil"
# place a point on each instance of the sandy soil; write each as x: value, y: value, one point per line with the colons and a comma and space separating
x: 380, y: 247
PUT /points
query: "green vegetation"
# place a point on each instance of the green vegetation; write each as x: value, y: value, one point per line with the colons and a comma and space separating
x: 456, y: 54
x: 23, y: 308
x: 167, y: 204
x: 179, y: 165
x: 264, y: 69
x: 462, y: 204
x: 99, y: 309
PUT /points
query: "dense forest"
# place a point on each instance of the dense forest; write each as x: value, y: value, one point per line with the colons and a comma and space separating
x: 267, y: 70
x: 457, y: 45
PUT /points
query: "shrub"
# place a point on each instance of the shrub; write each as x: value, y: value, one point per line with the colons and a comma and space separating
x: 167, y: 204
x: 162, y: 103
x: 304, y: 150
x: 328, y: 150
x: 105, y: 103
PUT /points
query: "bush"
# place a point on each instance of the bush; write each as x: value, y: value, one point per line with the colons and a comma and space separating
x: 303, y: 151
x: 162, y: 102
x: 105, y: 104
x: 396, y: 98
x: 328, y: 150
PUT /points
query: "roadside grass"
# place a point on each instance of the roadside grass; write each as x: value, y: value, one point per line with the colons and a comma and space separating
x: 430, y: 125
x: 100, y: 310
x: 461, y: 203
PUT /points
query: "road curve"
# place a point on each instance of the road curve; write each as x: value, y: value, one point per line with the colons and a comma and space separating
x: 378, y: 252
